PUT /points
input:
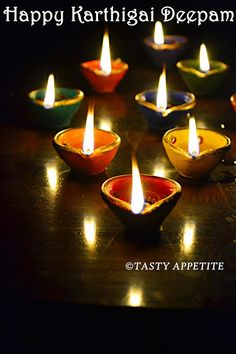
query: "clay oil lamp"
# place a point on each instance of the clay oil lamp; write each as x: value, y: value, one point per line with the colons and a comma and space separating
x: 164, y: 108
x: 88, y: 151
x: 141, y: 202
x: 164, y: 49
x: 55, y: 107
x: 105, y: 74
x: 202, y: 76
x: 195, y: 153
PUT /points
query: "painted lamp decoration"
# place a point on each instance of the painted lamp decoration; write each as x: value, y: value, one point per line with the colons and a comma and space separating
x: 195, y: 153
x: 164, y: 108
x: 105, y: 74
x: 87, y: 151
x: 202, y: 76
x: 140, y: 202
x: 55, y: 107
x: 164, y: 49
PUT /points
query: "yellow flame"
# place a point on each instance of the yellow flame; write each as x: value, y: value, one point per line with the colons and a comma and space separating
x: 49, y: 98
x: 158, y: 33
x: 193, y: 144
x: 135, y: 297
x: 203, y: 60
x: 188, y: 236
x: 105, y: 61
x: 52, y: 177
x: 161, y: 101
x: 137, y: 198
x: 88, y: 143
x: 90, y: 231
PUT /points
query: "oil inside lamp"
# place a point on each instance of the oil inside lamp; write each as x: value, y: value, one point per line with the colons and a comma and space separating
x: 204, y: 64
x: 105, y: 61
x: 49, y: 99
x: 161, y: 101
x: 88, y: 142
x: 137, y: 197
x: 193, y: 144
x: 158, y: 34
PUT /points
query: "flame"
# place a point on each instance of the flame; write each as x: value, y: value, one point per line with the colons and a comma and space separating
x: 88, y: 143
x: 90, y: 231
x: 105, y: 61
x: 188, y: 236
x: 158, y: 34
x: 49, y: 98
x: 203, y: 60
x: 161, y: 101
x: 137, y: 198
x: 193, y: 145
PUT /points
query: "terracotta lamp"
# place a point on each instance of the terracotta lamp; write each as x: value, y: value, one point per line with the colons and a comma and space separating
x: 105, y: 74
x: 88, y: 151
x: 141, y: 202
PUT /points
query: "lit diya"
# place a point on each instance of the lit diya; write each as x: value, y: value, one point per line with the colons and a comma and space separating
x: 55, y: 107
x: 87, y: 151
x: 195, y: 153
x: 164, y: 108
x: 202, y: 76
x: 105, y: 74
x: 140, y: 202
x: 164, y: 49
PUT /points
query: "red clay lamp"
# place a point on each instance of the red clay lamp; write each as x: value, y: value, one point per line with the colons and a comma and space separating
x: 105, y: 74
x: 140, y: 202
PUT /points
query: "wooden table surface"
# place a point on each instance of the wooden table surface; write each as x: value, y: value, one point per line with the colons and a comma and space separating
x: 60, y: 242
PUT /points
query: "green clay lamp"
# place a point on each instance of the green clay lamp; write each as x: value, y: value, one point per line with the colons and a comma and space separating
x: 55, y: 107
x: 202, y: 76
